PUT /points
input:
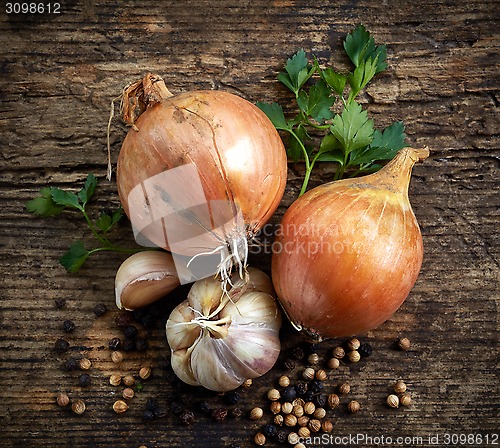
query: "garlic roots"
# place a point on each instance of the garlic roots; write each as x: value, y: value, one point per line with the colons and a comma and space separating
x: 218, y: 339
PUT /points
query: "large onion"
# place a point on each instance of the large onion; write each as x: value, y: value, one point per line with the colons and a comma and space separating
x: 349, y: 252
x: 234, y: 161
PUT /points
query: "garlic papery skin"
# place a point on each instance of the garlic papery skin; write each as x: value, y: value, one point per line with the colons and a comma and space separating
x: 144, y: 278
x: 218, y: 339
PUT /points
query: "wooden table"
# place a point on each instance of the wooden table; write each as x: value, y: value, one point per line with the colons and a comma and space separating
x: 59, y: 74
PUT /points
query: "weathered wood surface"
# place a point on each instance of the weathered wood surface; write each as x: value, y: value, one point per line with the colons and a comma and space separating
x: 58, y: 76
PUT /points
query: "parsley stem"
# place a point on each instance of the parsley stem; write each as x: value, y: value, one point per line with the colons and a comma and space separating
x: 121, y: 250
x: 103, y: 240
x: 306, y: 159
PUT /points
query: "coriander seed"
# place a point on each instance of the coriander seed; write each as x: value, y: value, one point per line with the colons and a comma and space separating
x: 293, y: 438
x: 399, y: 387
x: 313, y: 358
x: 247, y: 383
x: 308, y: 373
x: 290, y: 420
x: 344, y: 388
x: 327, y: 426
x: 321, y: 375
x: 393, y: 401
x: 287, y: 408
x: 85, y: 364
x: 115, y: 380
x: 279, y: 420
x: 303, y: 421
x: 405, y: 399
x: 333, y: 401
x: 256, y: 413
x: 119, y: 406
x: 298, y: 410
x: 353, y: 407
x: 284, y: 381
x: 319, y: 413
x: 404, y: 344
x: 116, y: 357
x: 304, y: 432
x: 128, y: 393
x: 145, y: 373
x: 333, y: 363
x: 128, y: 380
x: 314, y: 425
x: 259, y: 439
x: 273, y: 395
x: 338, y: 352
x: 309, y: 408
x: 78, y: 407
x: 353, y: 344
x: 275, y: 407
x: 299, y: 445
x: 354, y: 356
x: 298, y: 402
x: 62, y: 399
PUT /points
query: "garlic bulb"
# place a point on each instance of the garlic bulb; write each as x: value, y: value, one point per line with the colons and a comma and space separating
x: 143, y: 278
x: 218, y: 340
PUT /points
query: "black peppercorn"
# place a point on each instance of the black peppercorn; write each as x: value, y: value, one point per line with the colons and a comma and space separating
x: 60, y: 303
x: 270, y: 430
x: 186, y: 417
x: 160, y: 412
x: 289, y: 394
x: 61, y: 346
x: 123, y: 320
x: 71, y: 364
x: 114, y: 344
x: 232, y: 397
x: 148, y: 415
x: 147, y: 320
x: 68, y: 326
x: 298, y: 353
x: 365, y: 350
x: 316, y: 386
x: 236, y: 412
x: 204, y: 406
x: 289, y: 364
x: 141, y: 345
x: 84, y: 380
x: 301, y: 388
x: 308, y: 396
x: 128, y: 345
x: 100, y: 309
x: 320, y: 401
x: 219, y: 415
x: 281, y: 436
x: 130, y: 331
x: 176, y: 407
x: 151, y: 404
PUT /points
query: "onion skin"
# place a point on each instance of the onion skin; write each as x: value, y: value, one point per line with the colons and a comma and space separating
x: 239, y: 154
x: 369, y: 255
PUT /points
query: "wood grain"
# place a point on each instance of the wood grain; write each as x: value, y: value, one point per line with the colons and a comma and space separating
x: 58, y: 77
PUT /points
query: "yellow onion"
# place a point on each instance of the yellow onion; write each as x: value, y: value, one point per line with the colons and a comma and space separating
x: 349, y: 252
x: 237, y: 158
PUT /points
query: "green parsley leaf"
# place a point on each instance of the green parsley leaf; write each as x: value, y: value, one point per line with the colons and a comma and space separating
x: 275, y: 113
x: 352, y: 128
x: 43, y: 205
x: 88, y: 190
x: 360, y: 46
x: 298, y: 71
x: 318, y: 102
x: 294, y: 150
x: 335, y: 80
x: 105, y: 222
x: 66, y: 198
x: 361, y: 76
x: 75, y: 257
x: 392, y: 137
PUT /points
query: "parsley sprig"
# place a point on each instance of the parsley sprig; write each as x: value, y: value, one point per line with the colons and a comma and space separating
x: 52, y: 201
x: 347, y: 138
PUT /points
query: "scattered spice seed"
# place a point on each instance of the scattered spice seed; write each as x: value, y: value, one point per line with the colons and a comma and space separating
x: 333, y: 401
x: 62, y: 399
x: 319, y: 413
x: 314, y: 425
x: 320, y: 400
x: 279, y: 420
x: 144, y: 373
x: 128, y: 345
x: 298, y: 353
x: 338, y: 352
x: 204, y: 406
x: 308, y: 373
x: 353, y: 344
x: 298, y: 410
x: 354, y: 356
x: 176, y: 407
x: 293, y: 438
x: 405, y: 399
x: 304, y: 432
x: 290, y: 420
x: 147, y: 415
x: 321, y: 375
x: 128, y: 393
x: 85, y: 364
x: 273, y: 394
x: 256, y: 413
x: 68, y: 326
x: 114, y: 344
x: 313, y: 358
x: 59, y: 303
x: 404, y: 344
x: 284, y: 381
x: 399, y: 387
x: 84, y: 380
x: 119, y: 406
x: 289, y: 393
x: 220, y: 414
x: 160, y: 412
x: 78, y: 407
x: 303, y: 421
x: 327, y: 426
x: 71, y: 364
x: 186, y: 417
x: 128, y: 380
x: 269, y: 430
x: 123, y: 320
x: 232, y: 397
x: 301, y: 388
x: 259, y: 439
x: 344, y: 388
x: 61, y: 346
x: 141, y: 345
x: 247, y: 383
x: 287, y: 407
x: 333, y: 363
x: 365, y: 350
x: 115, y: 380
x: 289, y: 364
x: 309, y: 408
x: 316, y: 387
x: 275, y: 407
x: 236, y: 413
x: 298, y: 402
x: 116, y: 357
x: 393, y: 401
x: 353, y: 407
x: 130, y: 332
x: 100, y: 309
x: 151, y: 404
x: 299, y: 445
x: 281, y: 436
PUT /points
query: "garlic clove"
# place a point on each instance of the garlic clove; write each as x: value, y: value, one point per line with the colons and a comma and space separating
x: 254, y: 307
x: 144, y: 278
x: 205, y: 295
x: 182, y: 332
x: 181, y: 365
x: 256, y: 281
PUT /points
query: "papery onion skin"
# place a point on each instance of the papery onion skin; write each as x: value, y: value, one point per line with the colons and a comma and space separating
x: 349, y: 252
x: 237, y: 150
